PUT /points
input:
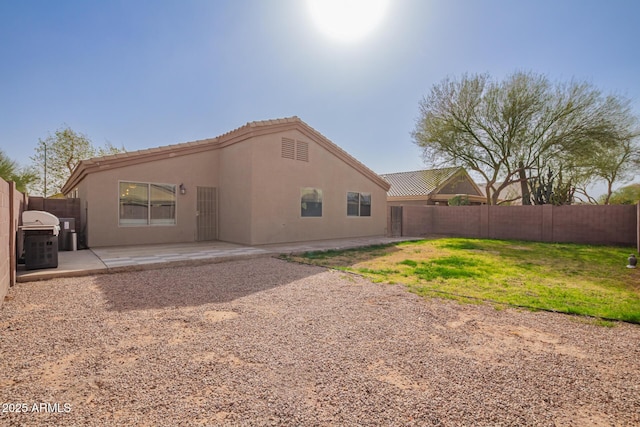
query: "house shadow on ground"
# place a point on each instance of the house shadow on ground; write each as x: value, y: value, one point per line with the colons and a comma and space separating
x: 345, y: 257
x: 190, y: 286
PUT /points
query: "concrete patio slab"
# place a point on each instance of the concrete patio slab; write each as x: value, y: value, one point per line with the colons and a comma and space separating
x: 70, y: 264
x: 141, y: 257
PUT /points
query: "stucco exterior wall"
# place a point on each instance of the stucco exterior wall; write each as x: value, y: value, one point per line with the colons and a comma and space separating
x: 100, y: 192
x: 258, y: 193
x: 277, y: 184
x: 234, y: 194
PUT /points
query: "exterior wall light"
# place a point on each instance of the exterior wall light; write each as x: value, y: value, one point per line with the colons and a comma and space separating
x: 632, y: 261
x: 183, y: 189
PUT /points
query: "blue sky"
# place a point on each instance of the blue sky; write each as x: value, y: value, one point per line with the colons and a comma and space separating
x: 149, y: 73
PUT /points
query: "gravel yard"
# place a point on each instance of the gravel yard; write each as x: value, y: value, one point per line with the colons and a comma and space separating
x: 266, y: 342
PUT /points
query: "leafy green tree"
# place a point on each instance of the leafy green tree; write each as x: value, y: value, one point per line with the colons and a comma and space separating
x: 10, y: 171
x: 609, y: 163
x: 511, y: 131
x: 459, y: 200
x: 108, y: 150
x: 57, y: 156
x: 627, y: 195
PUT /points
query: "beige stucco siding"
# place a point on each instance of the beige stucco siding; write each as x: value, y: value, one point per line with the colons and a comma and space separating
x: 234, y: 194
x: 101, y: 192
x: 277, y: 183
x: 258, y: 188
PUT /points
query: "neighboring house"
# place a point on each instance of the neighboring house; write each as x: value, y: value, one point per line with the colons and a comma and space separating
x: 432, y: 187
x: 266, y: 182
x: 511, y: 195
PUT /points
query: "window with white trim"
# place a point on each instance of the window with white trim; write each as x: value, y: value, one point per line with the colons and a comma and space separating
x: 147, y: 204
x: 358, y: 204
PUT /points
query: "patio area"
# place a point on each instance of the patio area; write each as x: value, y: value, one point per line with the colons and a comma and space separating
x: 143, y: 257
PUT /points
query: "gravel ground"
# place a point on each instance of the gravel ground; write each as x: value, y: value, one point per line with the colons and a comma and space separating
x: 266, y: 342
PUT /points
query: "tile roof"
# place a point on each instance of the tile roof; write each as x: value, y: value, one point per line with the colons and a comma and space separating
x: 235, y: 135
x: 418, y: 183
x: 191, y: 144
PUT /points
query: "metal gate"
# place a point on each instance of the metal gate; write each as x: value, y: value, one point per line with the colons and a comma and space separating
x: 396, y: 221
x: 207, y: 212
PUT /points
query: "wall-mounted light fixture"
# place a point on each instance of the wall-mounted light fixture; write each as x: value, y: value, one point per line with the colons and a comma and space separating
x: 183, y: 189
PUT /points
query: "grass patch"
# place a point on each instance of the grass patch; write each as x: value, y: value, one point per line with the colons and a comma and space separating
x: 567, y: 278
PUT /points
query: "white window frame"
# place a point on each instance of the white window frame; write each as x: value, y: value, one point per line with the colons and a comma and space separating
x: 360, y: 198
x: 148, y: 222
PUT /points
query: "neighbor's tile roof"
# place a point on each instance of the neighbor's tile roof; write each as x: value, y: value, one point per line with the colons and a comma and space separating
x: 417, y: 183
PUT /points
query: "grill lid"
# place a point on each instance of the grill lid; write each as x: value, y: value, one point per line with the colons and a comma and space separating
x: 40, y: 220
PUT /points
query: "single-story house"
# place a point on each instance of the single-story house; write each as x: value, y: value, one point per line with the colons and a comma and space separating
x: 266, y: 182
x: 432, y: 187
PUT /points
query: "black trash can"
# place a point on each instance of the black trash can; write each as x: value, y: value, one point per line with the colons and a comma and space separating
x: 40, y: 251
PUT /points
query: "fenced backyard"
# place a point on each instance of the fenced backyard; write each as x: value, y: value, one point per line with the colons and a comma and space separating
x: 600, y: 225
x: 607, y: 225
x: 12, y: 204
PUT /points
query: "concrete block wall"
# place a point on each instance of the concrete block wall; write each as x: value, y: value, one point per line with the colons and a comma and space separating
x: 20, y: 204
x: 462, y: 221
x: 5, y: 233
x: 515, y: 222
x: 615, y: 224
x: 610, y: 225
x: 12, y: 203
x: 416, y: 221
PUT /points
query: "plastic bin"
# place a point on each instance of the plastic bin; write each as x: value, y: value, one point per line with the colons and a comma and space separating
x: 40, y: 251
x: 71, y: 244
x: 67, y: 226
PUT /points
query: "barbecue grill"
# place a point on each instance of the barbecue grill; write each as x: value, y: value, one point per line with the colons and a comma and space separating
x: 38, y: 235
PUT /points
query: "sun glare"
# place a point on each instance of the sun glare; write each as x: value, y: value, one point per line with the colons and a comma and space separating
x: 347, y: 20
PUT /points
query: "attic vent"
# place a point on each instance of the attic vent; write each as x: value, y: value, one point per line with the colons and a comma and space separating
x: 288, y: 148
x: 302, y: 151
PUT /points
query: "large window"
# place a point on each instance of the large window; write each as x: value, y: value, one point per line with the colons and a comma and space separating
x: 147, y: 204
x: 358, y: 204
x: 310, y: 202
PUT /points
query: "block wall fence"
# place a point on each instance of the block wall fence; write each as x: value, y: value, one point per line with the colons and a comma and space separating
x: 602, y: 225
x: 12, y: 203
x: 588, y: 224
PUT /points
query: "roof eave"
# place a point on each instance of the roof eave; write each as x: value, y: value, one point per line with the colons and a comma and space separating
x: 88, y: 166
x: 240, y: 134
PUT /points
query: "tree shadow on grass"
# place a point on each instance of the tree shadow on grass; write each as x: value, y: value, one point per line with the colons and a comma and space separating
x: 190, y: 286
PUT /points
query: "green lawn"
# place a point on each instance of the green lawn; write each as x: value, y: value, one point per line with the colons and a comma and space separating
x: 568, y: 278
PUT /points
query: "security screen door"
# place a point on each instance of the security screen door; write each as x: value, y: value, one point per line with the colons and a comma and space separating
x: 206, y: 214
